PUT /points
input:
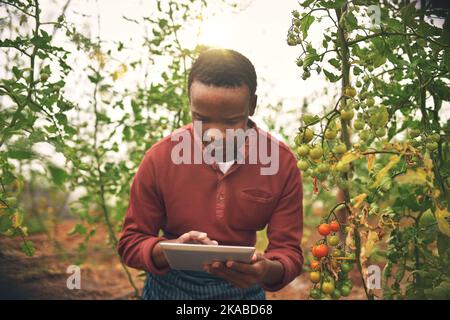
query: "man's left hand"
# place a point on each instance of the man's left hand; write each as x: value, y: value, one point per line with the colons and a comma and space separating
x: 242, y: 275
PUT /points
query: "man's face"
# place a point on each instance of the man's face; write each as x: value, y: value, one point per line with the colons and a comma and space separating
x: 221, y: 108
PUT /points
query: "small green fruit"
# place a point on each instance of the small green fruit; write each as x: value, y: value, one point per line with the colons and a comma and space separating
x: 370, y: 102
x: 343, y: 167
x: 347, y: 114
x: 340, y: 148
x: 303, y: 150
x: 302, y: 165
x: 316, y: 153
x: 330, y: 134
x: 323, y: 168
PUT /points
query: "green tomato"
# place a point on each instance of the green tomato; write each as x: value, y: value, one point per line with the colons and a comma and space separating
x: 343, y: 167
x: 307, y: 135
x: 347, y: 114
x: 345, y: 291
x: 303, y: 150
x: 333, y: 240
x: 340, y: 148
x: 323, y: 168
x: 346, y: 267
x: 432, y: 146
x: 414, y: 133
x: 435, y: 137
x: 338, y: 253
x: 44, y: 77
x: 316, y: 153
x: 381, y: 132
x: 330, y: 134
x: 364, y: 135
x: 328, y: 287
x: 315, y: 293
x: 336, y: 294
x: 350, y: 92
x: 291, y: 42
x: 358, y: 124
x: 348, y: 283
x: 363, y: 147
x: 302, y: 165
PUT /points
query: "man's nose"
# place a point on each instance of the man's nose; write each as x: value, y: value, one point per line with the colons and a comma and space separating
x: 215, y: 134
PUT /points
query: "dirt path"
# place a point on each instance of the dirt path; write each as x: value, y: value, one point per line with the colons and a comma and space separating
x: 44, y: 276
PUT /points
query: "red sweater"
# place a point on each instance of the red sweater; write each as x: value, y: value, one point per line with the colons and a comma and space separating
x: 230, y: 208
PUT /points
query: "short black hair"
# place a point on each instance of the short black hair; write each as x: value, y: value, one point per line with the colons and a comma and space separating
x: 223, y: 68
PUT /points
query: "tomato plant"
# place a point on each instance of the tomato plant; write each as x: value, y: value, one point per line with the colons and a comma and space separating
x: 383, y: 143
x: 100, y: 135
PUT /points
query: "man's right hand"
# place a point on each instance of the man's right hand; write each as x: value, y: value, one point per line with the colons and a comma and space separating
x: 195, y: 237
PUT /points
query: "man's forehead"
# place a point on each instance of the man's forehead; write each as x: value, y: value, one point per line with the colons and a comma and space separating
x: 206, y: 95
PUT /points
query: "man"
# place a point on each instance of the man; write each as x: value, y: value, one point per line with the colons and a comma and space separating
x: 216, y: 202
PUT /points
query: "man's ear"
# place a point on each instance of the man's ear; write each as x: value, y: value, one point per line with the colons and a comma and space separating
x: 253, y: 102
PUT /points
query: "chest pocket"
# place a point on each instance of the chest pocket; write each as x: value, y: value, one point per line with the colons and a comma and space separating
x: 253, y: 210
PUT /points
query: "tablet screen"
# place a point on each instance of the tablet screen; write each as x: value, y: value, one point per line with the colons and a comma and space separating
x: 186, y: 256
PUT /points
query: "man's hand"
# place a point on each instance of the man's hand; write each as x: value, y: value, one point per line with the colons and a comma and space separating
x: 196, y: 237
x: 243, y: 275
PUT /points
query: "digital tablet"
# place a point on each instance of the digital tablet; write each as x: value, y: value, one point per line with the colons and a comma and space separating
x: 184, y: 256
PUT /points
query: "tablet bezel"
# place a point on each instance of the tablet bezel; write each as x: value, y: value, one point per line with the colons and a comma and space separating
x: 205, y: 247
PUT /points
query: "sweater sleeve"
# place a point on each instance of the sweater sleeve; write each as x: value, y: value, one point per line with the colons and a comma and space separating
x: 285, y: 229
x: 143, y: 219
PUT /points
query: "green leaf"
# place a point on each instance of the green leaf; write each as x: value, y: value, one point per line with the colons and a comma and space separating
x: 51, y: 129
x: 351, y: 21
x: 334, y: 62
x: 27, y: 247
x: 400, y: 273
x: 336, y: 4
x: 378, y: 60
x: 95, y: 78
x: 306, y: 3
x: 58, y: 174
x: 20, y: 154
x: 309, y: 59
x: 7, y: 176
x: 408, y: 12
x: 443, y: 244
x: 78, y: 228
x: 306, y: 23
x: 446, y: 59
x: 332, y: 77
x: 17, y: 72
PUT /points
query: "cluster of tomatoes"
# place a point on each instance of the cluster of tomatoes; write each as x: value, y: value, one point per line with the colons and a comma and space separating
x: 330, y: 265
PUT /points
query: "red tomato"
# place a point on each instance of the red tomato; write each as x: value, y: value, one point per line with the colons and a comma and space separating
x: 334, y: 226
x: 324, y: 229
x: 320, y: 251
